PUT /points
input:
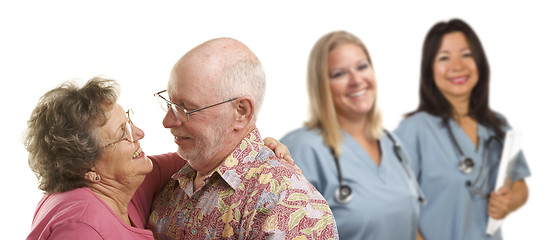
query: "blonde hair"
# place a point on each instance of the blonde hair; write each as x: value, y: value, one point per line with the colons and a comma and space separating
x: 322, y: 109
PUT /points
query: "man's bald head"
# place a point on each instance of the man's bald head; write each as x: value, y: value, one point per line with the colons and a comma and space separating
x: 226, y: 66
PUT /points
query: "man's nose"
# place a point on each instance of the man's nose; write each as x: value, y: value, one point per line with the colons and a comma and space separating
x: 171, y: 120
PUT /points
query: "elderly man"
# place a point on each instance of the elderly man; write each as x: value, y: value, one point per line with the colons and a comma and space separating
x: 233, y: 186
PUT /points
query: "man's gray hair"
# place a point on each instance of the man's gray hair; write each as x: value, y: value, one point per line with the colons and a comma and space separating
x: 244, y: 77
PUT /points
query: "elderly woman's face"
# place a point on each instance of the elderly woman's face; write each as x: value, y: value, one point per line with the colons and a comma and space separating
x: 351, y: 80
x: 123, y: 161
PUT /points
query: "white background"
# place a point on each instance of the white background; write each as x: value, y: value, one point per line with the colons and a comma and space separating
x: 44, y: 43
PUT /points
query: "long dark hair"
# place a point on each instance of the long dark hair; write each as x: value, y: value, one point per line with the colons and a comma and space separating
x: 432, y: 100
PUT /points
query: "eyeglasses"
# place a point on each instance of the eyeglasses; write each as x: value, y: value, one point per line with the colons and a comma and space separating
x: 128, y: 131
x: 181, y: 112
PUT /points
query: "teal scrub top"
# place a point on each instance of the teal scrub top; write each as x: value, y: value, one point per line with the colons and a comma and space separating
x: 453, y: 210
x: 384, y: 201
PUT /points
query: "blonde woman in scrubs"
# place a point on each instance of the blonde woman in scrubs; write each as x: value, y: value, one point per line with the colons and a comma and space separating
x: 344, y: 149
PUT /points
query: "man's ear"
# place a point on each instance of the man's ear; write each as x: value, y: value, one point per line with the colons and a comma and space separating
x: 245, y: 108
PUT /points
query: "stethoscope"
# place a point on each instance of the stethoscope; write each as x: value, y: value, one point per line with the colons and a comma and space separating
x: 343, y: 194
x: 466, y: 164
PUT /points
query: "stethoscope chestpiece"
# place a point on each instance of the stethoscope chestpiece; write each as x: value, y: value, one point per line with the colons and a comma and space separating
x: 466, y: 165
x: 343, y: 194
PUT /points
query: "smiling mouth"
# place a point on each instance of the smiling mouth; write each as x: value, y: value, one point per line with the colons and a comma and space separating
x: 138, y: 153
x: 357, y: 94
x: 458, y: 80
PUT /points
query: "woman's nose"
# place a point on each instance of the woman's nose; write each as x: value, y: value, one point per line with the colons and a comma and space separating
x: 138, y: 133
x: 456, y: 64
x: 354, y: 77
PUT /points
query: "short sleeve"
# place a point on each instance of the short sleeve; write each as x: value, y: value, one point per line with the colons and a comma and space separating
x: 71, y: 231
x: 298, y: 211
x: 519, y: 168
x: 409, y: 134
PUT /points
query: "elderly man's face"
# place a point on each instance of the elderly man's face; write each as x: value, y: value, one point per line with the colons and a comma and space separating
x: 201, y: 138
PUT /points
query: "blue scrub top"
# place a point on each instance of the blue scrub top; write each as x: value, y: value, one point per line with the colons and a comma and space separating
x: 453, y: 211
x: 384, y: 201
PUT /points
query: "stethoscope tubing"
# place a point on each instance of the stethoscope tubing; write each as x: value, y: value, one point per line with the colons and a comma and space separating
x: 343, y: 194
x: 466, y: 164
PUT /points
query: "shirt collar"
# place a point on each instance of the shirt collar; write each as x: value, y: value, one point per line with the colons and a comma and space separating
x: 227, y: 168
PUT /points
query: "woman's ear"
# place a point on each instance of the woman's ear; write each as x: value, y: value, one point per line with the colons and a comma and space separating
x: 92, y: 176
x: 245, y: 108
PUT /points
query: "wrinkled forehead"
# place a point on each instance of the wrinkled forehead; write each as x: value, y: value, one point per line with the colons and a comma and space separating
x: 115, y: 117
x: 195, y: 73
x: 187, y: 87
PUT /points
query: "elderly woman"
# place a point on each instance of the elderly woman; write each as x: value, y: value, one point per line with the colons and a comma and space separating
x: 344, y: 152
x: 85, y: 151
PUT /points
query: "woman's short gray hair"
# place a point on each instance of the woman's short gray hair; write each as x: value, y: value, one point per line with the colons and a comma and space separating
x: 60, y: 135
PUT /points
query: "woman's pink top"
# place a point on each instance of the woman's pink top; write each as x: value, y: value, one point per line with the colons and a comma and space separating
x: 80, y: 214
